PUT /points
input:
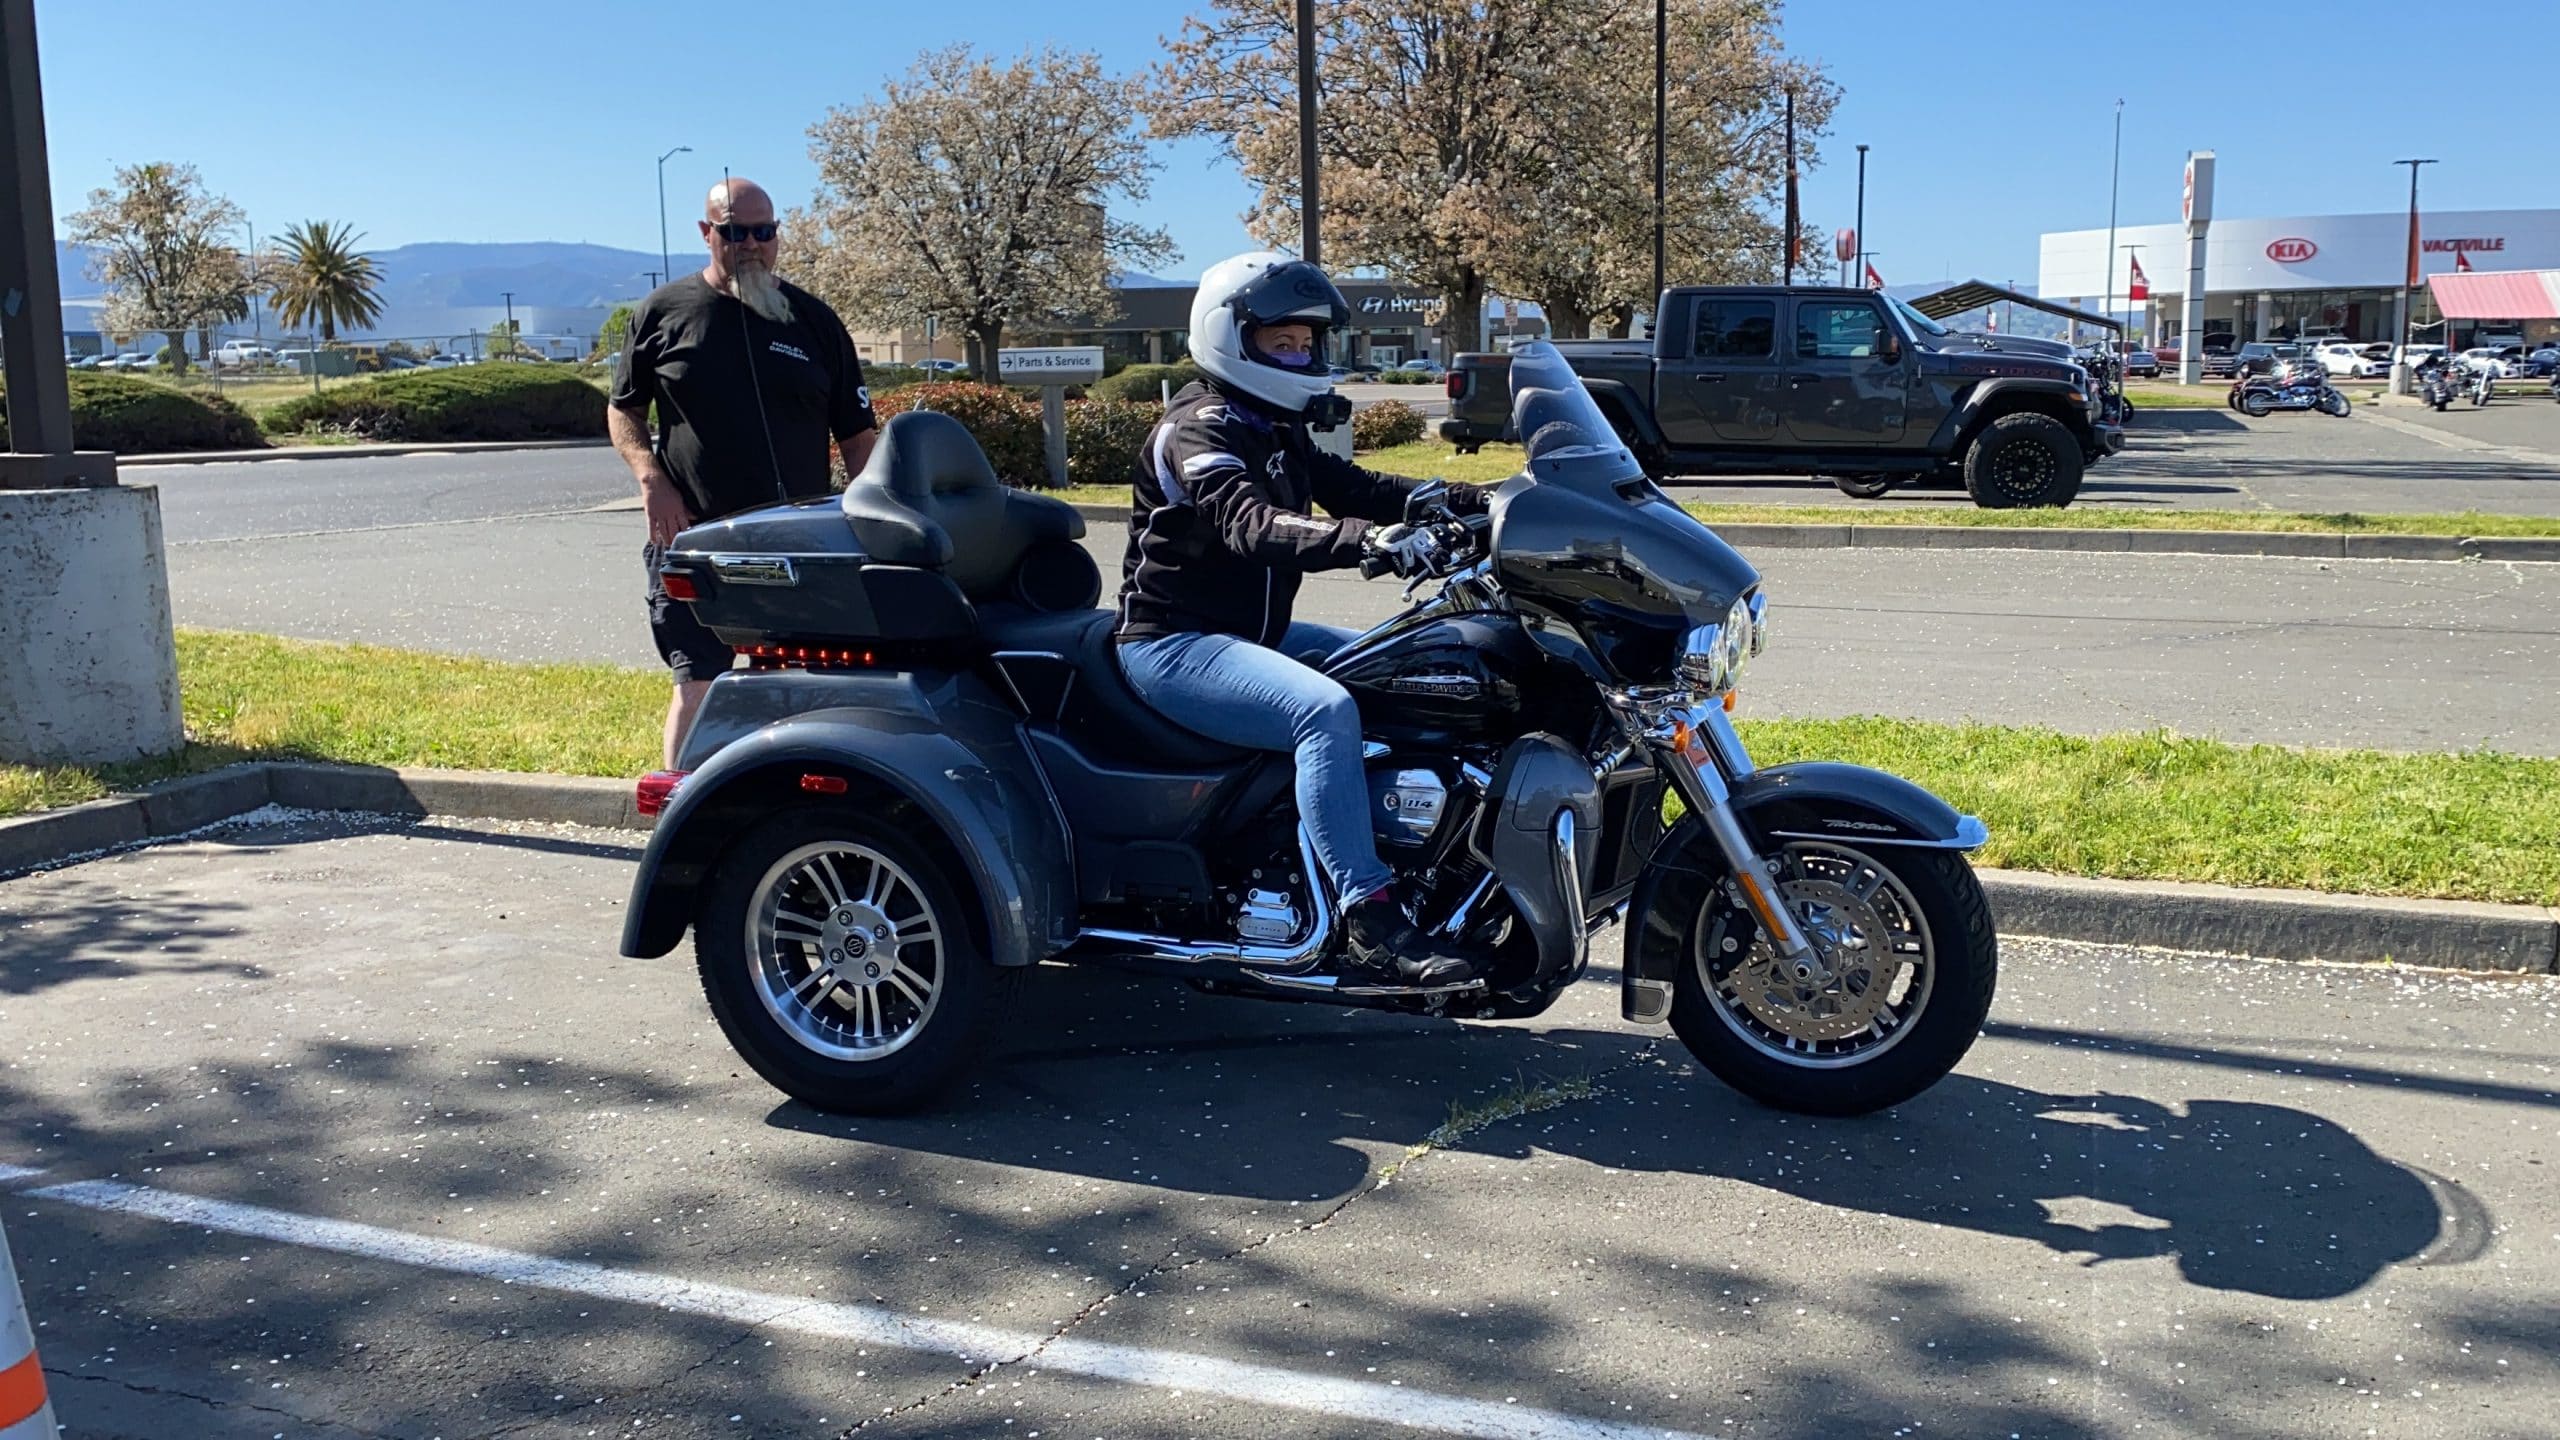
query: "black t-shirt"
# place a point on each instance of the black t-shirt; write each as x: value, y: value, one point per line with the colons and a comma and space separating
x: 690, y: 352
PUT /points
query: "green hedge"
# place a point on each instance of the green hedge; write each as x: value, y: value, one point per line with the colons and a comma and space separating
x: 138, y: 417
x: 1104, y: 438
x: 1384, y: 424
x: 1144, y: 382
x: 1006, y: 424
x: 476, y: 402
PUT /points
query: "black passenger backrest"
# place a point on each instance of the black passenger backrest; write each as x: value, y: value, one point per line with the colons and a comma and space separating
x: 928, y: 498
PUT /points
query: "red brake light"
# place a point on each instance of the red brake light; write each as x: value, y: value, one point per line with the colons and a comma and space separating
x: 823, y: 784
x: 1456, y: 385
x: 679, y: 585
x: 657, y: 788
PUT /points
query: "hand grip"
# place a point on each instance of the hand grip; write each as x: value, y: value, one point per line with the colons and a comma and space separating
x: 1373, y: 566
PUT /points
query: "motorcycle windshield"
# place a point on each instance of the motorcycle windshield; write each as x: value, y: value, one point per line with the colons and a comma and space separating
x: 1583, y: 535
x: 1558, y: 422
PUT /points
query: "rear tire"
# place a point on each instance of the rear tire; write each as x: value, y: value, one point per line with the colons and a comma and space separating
x: 1927, y: 913
x: 1864, y: 487
x: 2256, y: 405
x: 816, y: 882
x: 2023, y: 461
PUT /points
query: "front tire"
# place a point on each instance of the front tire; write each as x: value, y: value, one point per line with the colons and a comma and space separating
x: 1909, y: 938
x: 2336, y: 403
x: 2023, y: 461
x: 838, y: 959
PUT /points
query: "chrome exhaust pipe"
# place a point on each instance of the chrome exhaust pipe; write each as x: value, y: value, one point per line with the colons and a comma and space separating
x: 1298, y: 956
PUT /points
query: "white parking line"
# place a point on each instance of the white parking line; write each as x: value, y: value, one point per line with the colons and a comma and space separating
x: 869, y: 1325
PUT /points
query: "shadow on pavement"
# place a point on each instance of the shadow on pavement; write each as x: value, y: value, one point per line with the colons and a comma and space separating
x: 2250, y: 1197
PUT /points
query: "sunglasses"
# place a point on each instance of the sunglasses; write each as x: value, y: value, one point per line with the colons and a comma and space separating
x: 737, y: 234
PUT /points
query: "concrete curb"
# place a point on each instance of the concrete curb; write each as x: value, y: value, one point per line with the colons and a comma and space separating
x: 2268, y: 924
x: 1747, y: 535
x: 348, y: 452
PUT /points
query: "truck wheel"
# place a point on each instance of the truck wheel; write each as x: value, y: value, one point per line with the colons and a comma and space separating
x: 2023, y: 461
x: 1864, y: 487
x: 840, y: 964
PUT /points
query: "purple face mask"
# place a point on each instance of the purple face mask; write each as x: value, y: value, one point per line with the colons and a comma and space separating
x: 1294, y: 362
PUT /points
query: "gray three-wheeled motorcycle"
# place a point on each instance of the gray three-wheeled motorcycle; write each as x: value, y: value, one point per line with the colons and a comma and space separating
x: 932, y: 776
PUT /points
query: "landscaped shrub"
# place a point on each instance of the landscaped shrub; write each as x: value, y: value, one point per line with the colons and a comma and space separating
x: 1006, y: 425
x: 1144, y: 382
x: 1104, y: 438
x: 1383, y: 424
x: 473, y: 402
x: 137, y: 417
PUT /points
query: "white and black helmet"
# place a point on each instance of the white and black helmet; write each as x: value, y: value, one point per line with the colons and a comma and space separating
x: 1239, y: 295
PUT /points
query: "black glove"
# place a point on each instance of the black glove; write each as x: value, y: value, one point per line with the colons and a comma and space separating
x: 1464, y: 499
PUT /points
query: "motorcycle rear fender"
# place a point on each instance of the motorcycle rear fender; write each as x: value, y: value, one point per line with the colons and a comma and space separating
x: 1812, y: 800
x: 1546, y: 871
x: 962, y: 769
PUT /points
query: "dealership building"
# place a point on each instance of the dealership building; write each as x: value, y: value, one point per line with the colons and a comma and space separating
x: 2275, y: 279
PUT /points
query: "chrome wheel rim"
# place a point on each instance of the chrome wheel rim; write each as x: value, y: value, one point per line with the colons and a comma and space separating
x: 844, y: 951
x: 1868, y: 928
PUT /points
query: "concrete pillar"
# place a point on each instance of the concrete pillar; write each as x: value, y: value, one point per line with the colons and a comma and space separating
x: 84, y: 638
x: 2266, y: 314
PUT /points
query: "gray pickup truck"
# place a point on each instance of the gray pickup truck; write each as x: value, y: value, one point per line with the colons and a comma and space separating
x: 1865, y: 392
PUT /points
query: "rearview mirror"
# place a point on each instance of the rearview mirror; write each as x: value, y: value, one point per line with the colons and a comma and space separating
x: 1890, y: 351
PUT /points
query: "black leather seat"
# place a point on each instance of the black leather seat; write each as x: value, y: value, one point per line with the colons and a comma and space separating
x: 927, y: 498
x: 1068, y: 671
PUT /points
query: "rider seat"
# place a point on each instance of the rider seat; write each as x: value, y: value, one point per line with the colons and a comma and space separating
x: 927, y: 498
x: 1066, y: 669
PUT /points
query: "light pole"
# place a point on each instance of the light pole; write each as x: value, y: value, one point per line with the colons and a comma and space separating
x: 662, y: 205
x: 1858, y: 237
x: 510, y: 296
x: 1661, y: 118
x: 2115, y: 171
x: 2409, y: 289
x: 1310, y: 221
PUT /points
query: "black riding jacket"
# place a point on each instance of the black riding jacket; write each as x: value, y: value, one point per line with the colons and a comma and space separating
x: 1219, y: 530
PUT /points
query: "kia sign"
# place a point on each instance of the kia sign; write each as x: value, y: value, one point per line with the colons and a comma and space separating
x: 2291, y: 250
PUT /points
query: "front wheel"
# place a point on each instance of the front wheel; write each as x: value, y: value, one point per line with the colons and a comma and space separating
x: 2335, y: 403
x: 840, y: 964
x: 2025, y: 460
x: 1907, y: 938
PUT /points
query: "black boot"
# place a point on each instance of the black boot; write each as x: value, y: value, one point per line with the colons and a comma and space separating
x: 1385, y: 947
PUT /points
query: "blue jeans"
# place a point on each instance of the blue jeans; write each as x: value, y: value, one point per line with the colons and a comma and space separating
x: 1239, y: 693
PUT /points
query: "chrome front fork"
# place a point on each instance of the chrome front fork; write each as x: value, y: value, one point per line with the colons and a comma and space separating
x: 1697, y: 746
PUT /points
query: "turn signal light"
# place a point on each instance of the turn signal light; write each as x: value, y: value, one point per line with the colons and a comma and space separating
x: 657, y: 788
x: 679, y: 586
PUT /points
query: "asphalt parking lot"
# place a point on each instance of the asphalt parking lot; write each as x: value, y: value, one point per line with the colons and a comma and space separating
x: 345, y: 1128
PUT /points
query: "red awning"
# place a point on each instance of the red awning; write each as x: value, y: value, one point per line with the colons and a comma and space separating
x: 2498, y: 295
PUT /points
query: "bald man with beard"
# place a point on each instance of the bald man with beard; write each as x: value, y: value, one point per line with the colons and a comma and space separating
x: 753, y: 377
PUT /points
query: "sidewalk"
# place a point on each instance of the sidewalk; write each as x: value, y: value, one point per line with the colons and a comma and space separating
x: 347, y: 452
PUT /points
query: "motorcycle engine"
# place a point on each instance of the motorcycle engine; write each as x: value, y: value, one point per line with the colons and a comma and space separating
x: 1406, y: 806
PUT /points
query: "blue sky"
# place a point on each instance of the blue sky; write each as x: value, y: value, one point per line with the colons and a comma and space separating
x: 542, y: 119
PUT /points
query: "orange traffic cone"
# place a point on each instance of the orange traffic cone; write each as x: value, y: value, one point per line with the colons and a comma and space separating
x: 25, y: 1414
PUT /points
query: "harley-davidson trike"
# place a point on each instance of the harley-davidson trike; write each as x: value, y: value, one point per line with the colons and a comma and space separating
x: 931, y: 776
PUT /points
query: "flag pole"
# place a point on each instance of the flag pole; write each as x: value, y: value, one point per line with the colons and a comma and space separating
x: 1794, y: 221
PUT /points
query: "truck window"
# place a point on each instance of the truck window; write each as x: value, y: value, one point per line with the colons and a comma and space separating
x: 1736, y: 329
x: 1837, y: 330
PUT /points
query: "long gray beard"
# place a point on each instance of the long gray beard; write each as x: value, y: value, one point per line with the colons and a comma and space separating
x: 756, y: 288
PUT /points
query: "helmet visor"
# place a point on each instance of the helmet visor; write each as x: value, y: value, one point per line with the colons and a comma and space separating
x: 1295, y: 291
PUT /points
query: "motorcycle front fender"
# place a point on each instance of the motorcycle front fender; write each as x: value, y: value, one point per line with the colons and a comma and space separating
x: 1816, y: 800
x: 967, y: 776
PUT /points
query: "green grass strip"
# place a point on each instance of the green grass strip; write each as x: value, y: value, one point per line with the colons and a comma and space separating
x: 2472, y: 826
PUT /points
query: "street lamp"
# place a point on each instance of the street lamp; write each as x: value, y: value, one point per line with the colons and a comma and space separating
x: 1858, y: 237
x: 662, y: 204
x: 2408, y: 289
x: 2115, y: 172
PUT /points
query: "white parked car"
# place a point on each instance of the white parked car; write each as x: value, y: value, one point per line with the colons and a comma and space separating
x: 243, y: 354
x: 135, y: 361
x: 445, y: 362
x: 2346, y: 357
x: 2486, y: 357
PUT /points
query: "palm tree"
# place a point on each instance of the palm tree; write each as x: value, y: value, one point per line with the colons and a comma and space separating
x: 320, y: 279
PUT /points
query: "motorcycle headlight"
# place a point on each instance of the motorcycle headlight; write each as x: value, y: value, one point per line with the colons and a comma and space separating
x: 1712, y: 656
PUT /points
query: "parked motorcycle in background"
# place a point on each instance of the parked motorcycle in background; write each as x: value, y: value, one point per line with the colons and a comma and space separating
x: 2481, y: 382
x: 2439, y: 381
x: 2299, y: 385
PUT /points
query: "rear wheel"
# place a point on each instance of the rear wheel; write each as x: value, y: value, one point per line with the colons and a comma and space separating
x: 1864, y: 487
x: 2256, y: 404
x: 1907, y: 939
x: 838, y: 960
x: 2023, y: 461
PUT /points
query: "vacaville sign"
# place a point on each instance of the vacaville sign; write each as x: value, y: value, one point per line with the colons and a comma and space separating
x: 2308, y: 252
